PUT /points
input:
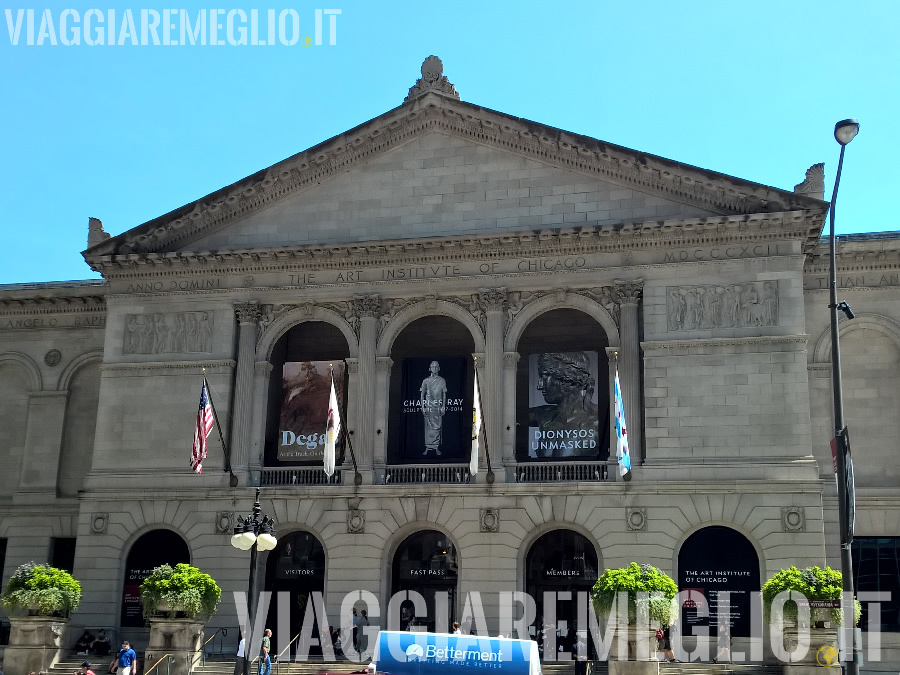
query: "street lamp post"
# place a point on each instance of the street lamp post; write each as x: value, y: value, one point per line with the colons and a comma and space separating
x: 844, y: 132
x: 255, y: 532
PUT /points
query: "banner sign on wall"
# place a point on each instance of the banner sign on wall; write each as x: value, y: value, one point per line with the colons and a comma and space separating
x: 306, y: 386
x: 436, y: 414
x: 563, y: 416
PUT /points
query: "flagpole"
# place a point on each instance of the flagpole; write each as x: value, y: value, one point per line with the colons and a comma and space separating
x: 357, y: 477
x: 487, y: 455
x: 233, y: 481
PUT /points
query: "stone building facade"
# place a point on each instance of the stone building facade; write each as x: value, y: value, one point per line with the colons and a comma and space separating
x: 442, y: 230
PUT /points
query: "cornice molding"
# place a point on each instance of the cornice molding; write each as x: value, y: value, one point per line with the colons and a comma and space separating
x: 219, y: 366
x: 437, y: 113
x: 719, y: 343
x: 51, y: 305
x: 647, y: 235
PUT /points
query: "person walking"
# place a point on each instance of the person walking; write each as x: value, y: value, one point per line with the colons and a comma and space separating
x: 240, y: 662
x: 127, y: 659
x: 265, y: 660
x: 85, y: 669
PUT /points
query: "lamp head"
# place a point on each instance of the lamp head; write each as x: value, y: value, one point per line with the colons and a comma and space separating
x: 846, y: 130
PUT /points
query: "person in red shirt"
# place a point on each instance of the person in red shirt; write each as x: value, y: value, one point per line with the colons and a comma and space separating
x: 85, y: 669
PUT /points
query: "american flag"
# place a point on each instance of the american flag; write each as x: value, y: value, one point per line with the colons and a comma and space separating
x: 201, y: 431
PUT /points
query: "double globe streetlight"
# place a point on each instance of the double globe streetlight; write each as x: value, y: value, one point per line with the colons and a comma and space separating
x: 844, y: 132
x: 255, y: 532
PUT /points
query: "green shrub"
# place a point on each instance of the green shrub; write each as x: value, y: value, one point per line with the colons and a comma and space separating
x: 46, y: 590
x: 185, y: 589
x: 813, y: 583
x: 635, y: 579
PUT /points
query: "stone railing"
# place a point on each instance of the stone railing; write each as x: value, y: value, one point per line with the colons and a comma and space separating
x: 557, y: 472
x: 427, y: 473
x: 297, y: 475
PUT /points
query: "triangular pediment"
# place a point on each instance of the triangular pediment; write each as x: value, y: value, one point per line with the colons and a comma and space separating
x: 436, y: 166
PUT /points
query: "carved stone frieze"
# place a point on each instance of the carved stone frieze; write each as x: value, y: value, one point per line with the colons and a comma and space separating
x: 722, y: 306
x: 433, y: 79
x: 52, y: 305
x: 606, y: 297
x: 169, y: 333
x: 390, y: 308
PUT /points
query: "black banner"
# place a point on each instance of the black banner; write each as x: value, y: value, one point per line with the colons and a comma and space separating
x: 436, y: 410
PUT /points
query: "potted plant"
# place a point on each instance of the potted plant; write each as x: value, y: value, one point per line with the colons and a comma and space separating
x: 41, y: 590
x: 178, y: 592
x: 650, y: 592
x: 177, y: 601
x: 810, y: 586
x: 39, y: 599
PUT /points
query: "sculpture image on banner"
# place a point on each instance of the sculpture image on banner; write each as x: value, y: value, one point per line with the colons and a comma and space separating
x: 306, y: 387
x: 563, y: 417
x: 433, y: 422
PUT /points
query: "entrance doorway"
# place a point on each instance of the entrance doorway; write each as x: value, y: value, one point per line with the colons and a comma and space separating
x: 297, y: 567
x: 425, y: 563
x: 559, y: 562
x: 155, y: 548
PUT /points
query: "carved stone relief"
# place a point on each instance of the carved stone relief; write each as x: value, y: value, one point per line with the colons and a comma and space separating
x: 356, y: 521
x: 793, y: 519
x: 636, y: 518
x: 725, y: 306
x: 99, y: 523
x: 169, y: 333
x: 53, y: 357
x: 433, y: 79
x: 224, y: 522
x: 490, y: 520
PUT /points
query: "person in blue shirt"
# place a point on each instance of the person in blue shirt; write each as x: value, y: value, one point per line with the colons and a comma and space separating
x: 127, y: 659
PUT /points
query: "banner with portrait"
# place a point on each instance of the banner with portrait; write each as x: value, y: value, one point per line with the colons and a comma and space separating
x: 436, y: 410
x: 306, y: 387
x: 563, y: 413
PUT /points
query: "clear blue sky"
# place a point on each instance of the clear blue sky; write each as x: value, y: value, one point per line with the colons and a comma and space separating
x: 127, y: 133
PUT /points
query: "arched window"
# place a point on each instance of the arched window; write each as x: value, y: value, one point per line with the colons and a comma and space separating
x: 425, y: 563
x: 299, y: 389
x: 77, y: 450
x: 295, y: 566
x: 432, y: 380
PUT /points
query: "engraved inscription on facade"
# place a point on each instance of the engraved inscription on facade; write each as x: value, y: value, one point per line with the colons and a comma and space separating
x: 723, y: 306
x: 170, y: 333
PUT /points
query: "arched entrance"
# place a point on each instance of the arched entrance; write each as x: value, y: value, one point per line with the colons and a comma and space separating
x: 718, y: 558
x: 155, y: 548
x: 426, y: 563
x: 296, y: 566
x: 561, y: 561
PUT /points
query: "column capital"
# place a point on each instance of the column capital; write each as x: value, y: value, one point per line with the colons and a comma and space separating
x: 628, y: 291
x: 247, y: 312
x: 510, y: 360
x: 492, y: 299
x: 367, y: 306
x: 263, y: 367
x: 479, y: 361
x: 383, y: 364
x: 352, y: 365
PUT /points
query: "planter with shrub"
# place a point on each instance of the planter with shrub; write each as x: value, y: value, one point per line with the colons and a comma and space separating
x: 39, y: 599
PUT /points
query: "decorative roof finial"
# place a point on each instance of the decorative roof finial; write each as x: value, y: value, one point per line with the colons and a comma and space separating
x: 95, y: 232
x: 433, y: 79
x: 814, y: 185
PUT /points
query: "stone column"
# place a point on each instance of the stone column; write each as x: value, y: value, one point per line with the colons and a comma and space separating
x: 368, y: 309
x: 492, y: 302
x: 248, y: 315
x: 628, y: 294
x: 351, y: 414
x: 510, y: 365
x: 382, y: 387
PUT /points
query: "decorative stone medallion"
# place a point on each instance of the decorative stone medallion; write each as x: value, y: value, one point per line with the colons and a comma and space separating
x: 793, y: 519
x: 356, y: 521
x: 636, y: 518
x: 225, y: 522
x: 99, y: 523
x: 53, y: 357
x: 490, y: 520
